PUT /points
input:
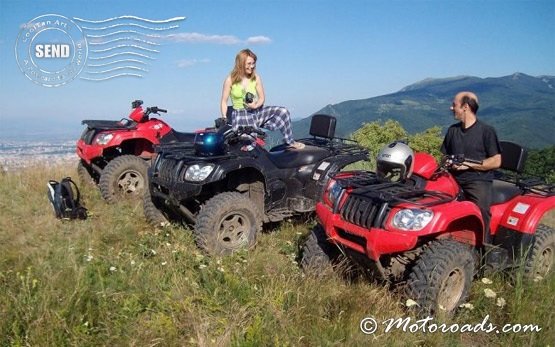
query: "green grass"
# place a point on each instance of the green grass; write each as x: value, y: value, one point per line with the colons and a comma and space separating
x: 113, y: 280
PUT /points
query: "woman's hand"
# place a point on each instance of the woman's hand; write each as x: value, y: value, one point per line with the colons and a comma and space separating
x: 252, y: 106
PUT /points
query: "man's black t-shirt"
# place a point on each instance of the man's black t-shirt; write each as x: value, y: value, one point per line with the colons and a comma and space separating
x: 477, y: 142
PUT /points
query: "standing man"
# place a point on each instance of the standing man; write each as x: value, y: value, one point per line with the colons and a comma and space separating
x: 478, y: 141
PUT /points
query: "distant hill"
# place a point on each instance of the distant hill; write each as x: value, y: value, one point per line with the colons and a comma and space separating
x: 521, y: 107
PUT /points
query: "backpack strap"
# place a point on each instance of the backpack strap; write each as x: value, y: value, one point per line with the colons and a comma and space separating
x: 72, y: 190
x: 74, y: 197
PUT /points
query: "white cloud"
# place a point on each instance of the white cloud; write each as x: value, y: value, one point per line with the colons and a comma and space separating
x: 258, y: 40
x: 185, y: 63
x: 217, y: 39
x: 203, y: 38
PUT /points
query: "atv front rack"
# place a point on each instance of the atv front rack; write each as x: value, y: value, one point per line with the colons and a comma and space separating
x: 371, y: 199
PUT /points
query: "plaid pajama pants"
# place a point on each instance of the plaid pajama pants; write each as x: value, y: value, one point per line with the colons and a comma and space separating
x: 268, y: 117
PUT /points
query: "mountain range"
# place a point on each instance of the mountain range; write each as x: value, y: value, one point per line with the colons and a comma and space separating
x: 519, y: 106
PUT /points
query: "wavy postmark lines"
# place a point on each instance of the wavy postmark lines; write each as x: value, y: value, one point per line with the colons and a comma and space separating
x: 52, y: 50
x: 123, y: 46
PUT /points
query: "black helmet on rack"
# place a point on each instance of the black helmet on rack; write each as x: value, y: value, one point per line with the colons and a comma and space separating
x: 395, y: 162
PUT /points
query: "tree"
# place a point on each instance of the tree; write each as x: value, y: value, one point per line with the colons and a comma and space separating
x: 541, y: 163
x: 428, y: 141
x: 375, y: 135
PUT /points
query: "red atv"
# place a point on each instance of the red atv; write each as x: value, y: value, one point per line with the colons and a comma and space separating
x: 418, y: 229
x: 115, y: 154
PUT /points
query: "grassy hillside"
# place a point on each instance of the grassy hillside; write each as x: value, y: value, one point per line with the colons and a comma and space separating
x: 521, y: 107
x: 112, y: 280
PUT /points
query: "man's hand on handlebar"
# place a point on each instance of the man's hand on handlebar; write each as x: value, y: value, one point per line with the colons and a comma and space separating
x: 460, y: 163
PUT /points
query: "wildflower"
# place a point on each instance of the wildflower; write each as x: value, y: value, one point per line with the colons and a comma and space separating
x: 501, y: 302
x: 168, y: 244
x: 221, y: 269
x: 467, y: 305
x: 164, y: 263
x: 486, y: 281
x: 202, y: 266
x: 410, y: 303
x: 489, y: 293
x: 132, y: 262
x: 153, y: 252
x: 89, y: 257
x: 113, y: 268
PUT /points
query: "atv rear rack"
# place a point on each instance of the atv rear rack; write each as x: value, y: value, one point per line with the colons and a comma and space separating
x: 528, y: 183
x: 338, y: 146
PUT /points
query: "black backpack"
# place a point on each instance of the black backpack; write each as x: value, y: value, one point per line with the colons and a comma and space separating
x: 64, y: 197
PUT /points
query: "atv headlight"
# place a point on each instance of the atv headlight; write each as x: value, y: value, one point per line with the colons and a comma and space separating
x: 334, y: 191
x: 104, y: 138
x: 412, y: 219
x: 198, y: 172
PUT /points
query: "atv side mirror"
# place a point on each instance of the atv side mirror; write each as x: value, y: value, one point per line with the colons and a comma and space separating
x: 322, y: 125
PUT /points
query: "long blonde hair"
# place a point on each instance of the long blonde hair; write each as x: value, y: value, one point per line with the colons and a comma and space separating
x: 238, y: 71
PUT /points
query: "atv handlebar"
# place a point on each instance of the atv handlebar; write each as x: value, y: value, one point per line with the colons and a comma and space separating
x: 154, y: 109
x: 250, y: 130
x: 459, y: 159
x: 451, y: 160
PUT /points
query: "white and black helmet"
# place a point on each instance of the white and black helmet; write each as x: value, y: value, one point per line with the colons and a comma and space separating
x: 395, y: 162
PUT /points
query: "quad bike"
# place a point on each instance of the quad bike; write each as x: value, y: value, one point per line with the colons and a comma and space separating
x: 225, y: 193
x: 420, y: 230
x: 115, y: 154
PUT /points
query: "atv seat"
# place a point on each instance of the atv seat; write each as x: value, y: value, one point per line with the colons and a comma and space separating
x: 289, y: 159
x: 110, y: 124
x: 176, y: 136
x: 503, y: 191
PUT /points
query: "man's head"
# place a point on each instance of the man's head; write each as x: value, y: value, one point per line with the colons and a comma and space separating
x: 464, y: 104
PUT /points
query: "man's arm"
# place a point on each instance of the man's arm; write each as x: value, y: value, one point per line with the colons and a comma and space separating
x: 490, y: 163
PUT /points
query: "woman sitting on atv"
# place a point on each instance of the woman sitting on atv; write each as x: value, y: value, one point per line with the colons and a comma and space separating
x: 244, y: 86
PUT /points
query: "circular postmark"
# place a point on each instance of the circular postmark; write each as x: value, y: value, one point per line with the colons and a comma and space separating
x: 51, y: 50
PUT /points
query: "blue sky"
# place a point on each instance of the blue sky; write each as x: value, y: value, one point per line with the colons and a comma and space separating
x: 311, y: 53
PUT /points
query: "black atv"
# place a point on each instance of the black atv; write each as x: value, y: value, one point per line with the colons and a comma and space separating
x: 226, y: 193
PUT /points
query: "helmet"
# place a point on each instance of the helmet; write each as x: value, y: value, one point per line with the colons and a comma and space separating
x: 395, y: 162
x: 209, y: 144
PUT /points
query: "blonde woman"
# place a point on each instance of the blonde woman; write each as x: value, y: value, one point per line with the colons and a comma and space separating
x: 245, y: 88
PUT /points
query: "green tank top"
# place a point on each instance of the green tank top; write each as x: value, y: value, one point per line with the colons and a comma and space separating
x: 238, y: 93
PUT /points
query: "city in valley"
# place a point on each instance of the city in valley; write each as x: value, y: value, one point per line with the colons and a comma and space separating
x: 16, y: 155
